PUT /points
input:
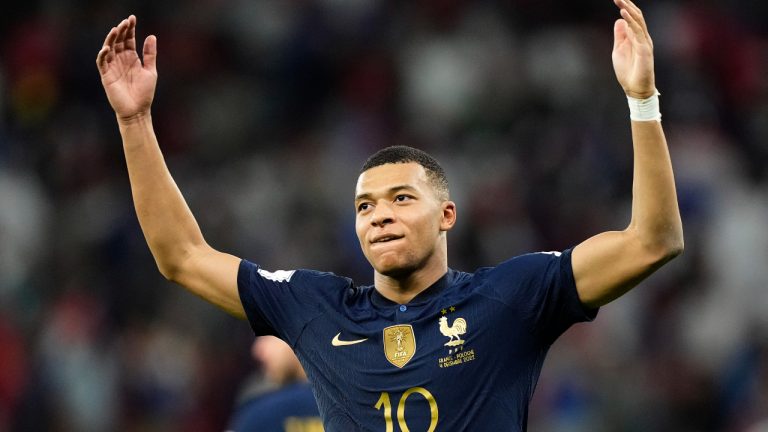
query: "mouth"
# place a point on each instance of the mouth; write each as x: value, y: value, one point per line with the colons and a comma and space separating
x: 385, y: 238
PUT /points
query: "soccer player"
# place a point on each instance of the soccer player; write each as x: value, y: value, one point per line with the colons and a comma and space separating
x: 284, y: 401
x: 426, y: 347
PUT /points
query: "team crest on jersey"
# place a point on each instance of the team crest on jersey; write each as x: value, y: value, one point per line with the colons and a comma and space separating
x: 454, y: 330
x: 399, y: 344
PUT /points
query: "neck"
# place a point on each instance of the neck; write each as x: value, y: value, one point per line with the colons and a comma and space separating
x: 402, y: 289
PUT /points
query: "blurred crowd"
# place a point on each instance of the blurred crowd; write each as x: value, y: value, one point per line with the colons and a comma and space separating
x: 266, y: 109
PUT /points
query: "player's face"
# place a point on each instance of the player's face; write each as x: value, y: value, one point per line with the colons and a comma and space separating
x: 400, y: 220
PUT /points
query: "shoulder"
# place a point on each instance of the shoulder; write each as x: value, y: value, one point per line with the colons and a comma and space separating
x: 530, y: 265
x: 281, y: 302
x: 251, y: 273
x: 529, y: 276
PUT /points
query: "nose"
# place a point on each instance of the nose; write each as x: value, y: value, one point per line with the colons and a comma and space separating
x: 382, y: 215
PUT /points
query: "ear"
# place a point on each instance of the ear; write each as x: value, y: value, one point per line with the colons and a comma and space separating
x: 448, y: 219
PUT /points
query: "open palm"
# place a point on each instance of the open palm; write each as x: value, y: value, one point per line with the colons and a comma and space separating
x: 129, y: 84
x: 633, y: 52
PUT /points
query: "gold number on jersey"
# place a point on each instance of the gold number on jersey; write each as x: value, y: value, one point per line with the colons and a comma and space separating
x: 385, y: 402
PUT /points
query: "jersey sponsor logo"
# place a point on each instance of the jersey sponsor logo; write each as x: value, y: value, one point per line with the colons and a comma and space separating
x: 457, y: 355
x: 277, y: 276
x: 399, y: 344
x: 338, y: 342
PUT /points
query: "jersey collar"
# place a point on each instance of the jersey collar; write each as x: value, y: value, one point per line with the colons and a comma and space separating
x: 423, y: 297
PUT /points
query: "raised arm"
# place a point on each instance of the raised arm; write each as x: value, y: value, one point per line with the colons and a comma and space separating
x: 610, y: 264
x: 173, y: 236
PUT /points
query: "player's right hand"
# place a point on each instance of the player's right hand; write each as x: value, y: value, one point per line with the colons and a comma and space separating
x: 129, y: 84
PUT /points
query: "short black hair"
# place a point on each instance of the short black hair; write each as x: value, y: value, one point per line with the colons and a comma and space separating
x: 404, y: 154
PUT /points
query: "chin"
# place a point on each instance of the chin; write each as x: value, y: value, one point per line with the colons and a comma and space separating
x: 396, y: 268
x: 397, y: 272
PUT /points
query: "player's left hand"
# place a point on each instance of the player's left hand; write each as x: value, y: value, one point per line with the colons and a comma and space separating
x: 633, y: 52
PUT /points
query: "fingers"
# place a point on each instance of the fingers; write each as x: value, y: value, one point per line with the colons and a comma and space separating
x: 101, y: 59
x: 122, y: 31
x: 105, y: 54
x: 619, y: 33
x: 130, y: 40
x: 119, y: 39
x: 110, y: 39
x: 634, y: 18
x: 150, y: 53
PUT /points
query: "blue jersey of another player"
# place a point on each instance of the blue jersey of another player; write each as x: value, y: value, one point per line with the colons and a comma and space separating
x: 465, y: 354
x: 288, y: 409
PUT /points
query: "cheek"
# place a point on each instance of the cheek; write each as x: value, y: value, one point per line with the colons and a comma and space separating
x: 428, y: 226
x: 360, y: 230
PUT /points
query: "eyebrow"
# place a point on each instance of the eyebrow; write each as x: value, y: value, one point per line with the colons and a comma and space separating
x: 390, y: 191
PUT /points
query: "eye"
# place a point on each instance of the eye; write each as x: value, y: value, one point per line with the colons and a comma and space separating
x: 363, y: 207
x: 402, y: 198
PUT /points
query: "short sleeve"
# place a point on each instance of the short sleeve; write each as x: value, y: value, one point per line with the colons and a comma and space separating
x: 540, y: 289
x: 280, y: 303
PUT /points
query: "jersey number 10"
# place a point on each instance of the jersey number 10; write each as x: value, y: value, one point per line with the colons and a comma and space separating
x: 387, y: 405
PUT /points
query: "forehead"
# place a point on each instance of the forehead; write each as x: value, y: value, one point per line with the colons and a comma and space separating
x: 384, y: 177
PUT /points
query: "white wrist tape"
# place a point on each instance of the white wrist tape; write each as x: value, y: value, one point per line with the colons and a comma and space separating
x: 645, y: 109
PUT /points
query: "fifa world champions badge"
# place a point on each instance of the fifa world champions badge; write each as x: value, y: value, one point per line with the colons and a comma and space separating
x: 399, y: 344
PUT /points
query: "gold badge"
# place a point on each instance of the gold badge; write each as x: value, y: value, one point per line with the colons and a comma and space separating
x: 399, y: 344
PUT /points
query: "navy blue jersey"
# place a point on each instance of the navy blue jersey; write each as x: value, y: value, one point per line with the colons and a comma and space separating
x: 465, y: 354
x: 288, y: 409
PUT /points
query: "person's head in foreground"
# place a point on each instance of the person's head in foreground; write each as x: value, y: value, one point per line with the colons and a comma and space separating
x: 278, y: 361
x: 403, y: 212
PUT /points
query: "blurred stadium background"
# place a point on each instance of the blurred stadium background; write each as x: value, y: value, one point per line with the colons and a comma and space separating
x: 265, y: 111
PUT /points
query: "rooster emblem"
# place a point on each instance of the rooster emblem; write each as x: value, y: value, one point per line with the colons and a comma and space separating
x: 458, y: 328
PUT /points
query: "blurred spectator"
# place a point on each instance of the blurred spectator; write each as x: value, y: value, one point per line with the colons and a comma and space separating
x: 280, y: 400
